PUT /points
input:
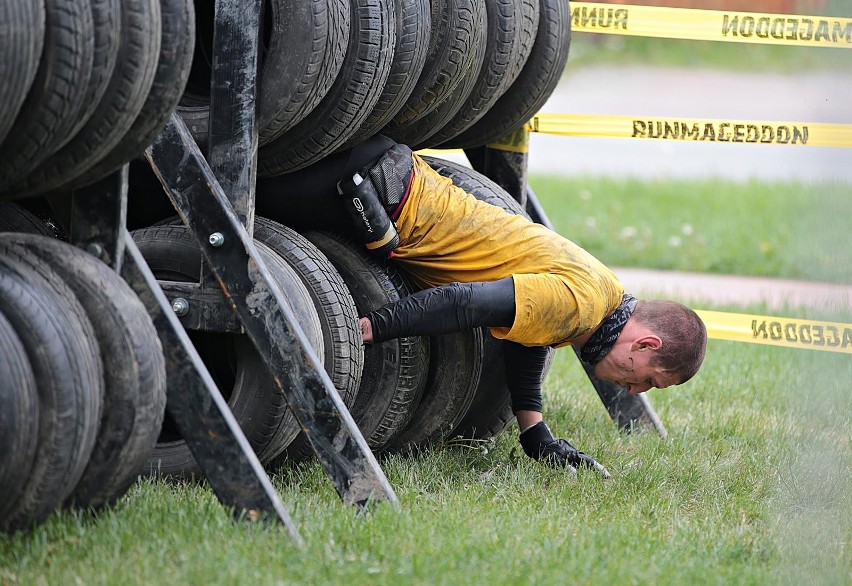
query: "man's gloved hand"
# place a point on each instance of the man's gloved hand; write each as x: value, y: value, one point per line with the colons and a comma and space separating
x: 539, y: 444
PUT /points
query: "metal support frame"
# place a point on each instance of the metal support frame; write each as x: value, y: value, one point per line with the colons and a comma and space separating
x: 505, y: 163
x: 215, y: 199
x: 202, y: 415
x: 266, y: 317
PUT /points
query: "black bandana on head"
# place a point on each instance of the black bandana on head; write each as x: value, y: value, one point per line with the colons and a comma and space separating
x: 607, y: 333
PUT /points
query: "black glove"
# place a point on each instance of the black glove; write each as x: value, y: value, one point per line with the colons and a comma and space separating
x: 538, y: 443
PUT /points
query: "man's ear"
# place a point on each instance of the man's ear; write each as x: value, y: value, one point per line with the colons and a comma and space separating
x: 646, y: 342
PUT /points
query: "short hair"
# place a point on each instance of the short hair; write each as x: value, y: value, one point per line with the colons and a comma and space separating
x: 683, y: 333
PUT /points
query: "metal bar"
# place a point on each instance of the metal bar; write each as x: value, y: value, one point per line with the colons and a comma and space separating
x: 505, y: 168
x: 98, y: 217
x: 202, y: 415
x: 98, y: 214
x: 266, y: 317
x: 232, y: 152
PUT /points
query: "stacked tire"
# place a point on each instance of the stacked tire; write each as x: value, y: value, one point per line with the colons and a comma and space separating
x: 94, y: 82
x: 91, y: 83
x: 439, y: 73
x: 82, y: 378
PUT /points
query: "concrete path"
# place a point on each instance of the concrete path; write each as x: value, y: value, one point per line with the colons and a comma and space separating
x: 703, y: 288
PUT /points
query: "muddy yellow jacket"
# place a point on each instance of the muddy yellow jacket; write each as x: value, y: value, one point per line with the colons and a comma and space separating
x: 447, y: 235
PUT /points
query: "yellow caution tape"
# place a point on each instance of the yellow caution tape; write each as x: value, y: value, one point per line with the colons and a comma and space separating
x: 694, y: 129
x: 712, y: 25
x: 778, y: 331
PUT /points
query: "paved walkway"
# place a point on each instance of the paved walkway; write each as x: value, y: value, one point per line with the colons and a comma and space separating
x: 721, y: 289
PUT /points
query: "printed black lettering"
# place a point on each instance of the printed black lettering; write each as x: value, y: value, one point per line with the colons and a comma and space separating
x: 842, y: 34
x: 655, y: 129
x: 782, y: 135
x: 805, y: 334
x: 747, y: 29
x: 729, y: 25
x: 762, y: 29
x: 689, y: 132
x: 739, y: 132
x: 757, y: 330
x: 777, y: 30
x: 790, y: 333
x: 822, y: 33
x: 671, y: 131
x: 723, y: 132
x: 800, y: 135
x: 810, y: 30
x: 775, y: 330
x: 819, y: 340
x: 833, y: 338
x: 767, y: 134
x: 621, y: 18
x: 709, y: 132
x: 752, y: 133
x: 638, y: 129
x: 792, y: 29
x: 847, y: 337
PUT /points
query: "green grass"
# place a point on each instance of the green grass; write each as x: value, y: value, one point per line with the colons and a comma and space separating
x: 752, y: 487
x: 790, y: 230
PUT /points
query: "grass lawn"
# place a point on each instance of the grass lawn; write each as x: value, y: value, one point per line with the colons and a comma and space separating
x: 789, y: 230
x: 752, y: 487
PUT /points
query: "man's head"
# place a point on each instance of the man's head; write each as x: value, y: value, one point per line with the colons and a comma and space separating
x: 662, y: 344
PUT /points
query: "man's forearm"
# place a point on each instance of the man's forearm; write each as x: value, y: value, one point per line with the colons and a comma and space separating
x: 450, y: 308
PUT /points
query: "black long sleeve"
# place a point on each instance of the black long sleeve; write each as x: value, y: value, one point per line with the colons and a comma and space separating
x: 462, y: 306
x: 455, y: 307
x: 524, y: 368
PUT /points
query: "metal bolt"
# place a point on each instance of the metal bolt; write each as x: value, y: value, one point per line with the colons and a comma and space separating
x: 180, y: 306
x: 216, y: 239
x: 95, y: 249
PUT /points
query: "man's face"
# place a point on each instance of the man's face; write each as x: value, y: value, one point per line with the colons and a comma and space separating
x: 628, y: 365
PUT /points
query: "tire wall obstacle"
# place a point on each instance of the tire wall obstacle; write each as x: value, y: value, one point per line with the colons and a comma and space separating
x: 107, y: 373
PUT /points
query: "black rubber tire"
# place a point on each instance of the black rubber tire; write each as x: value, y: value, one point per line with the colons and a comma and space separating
x: 491, y: 409
x: 14, y: 218
x: 344, y: 351
x: 455, y: 31
x: 350, y: 99
x: 121, y: 103
x: 173, y: 254
x: 106, y: 33
x: 302, y: 51
x: 18, y: 415
x: 417, y: 132
x: 512, y: 26
x: 394, y: 373
x: 56, y: 94
x: 21, y: 46
x: 170, y: 77
x: 133, y: 367
x: 455, y: 368
x: 59, y: 341
x: 413, y: 31
x: 539, y: 77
